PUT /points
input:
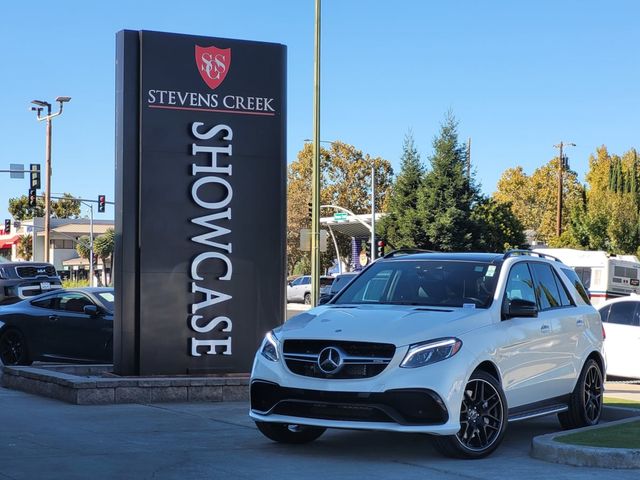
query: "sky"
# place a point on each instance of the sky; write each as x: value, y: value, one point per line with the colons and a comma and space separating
x: 519, y: 76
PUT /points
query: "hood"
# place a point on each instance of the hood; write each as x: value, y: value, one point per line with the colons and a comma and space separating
x: 397, y: 324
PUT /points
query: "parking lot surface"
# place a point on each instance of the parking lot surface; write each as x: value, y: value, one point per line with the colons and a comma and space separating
x: 42, y: 438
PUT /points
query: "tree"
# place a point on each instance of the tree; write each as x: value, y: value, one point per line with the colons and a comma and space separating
x: 25, y: 247
x: 497, y: 227
x: 103, y: 246
x: 66, y: 207
x: 534, y: 198
x: 401, y: 227
x: 20, y: 210
x: 345, y: 181
x: 447, y: 195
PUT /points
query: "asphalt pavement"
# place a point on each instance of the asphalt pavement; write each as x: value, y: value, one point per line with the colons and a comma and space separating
x: 44, y: 439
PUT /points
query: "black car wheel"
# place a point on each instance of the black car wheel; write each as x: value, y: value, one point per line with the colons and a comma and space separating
x: 13, y: 348
x: 585, y: 405
x: 288, y: 433
x: 483, y: 420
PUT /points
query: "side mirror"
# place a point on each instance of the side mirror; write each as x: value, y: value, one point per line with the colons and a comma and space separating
x: 324, y: 299
x: 521, y: 308
x: 91, y: 310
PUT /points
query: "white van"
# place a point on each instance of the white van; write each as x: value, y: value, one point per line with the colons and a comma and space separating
x: 605, y: 275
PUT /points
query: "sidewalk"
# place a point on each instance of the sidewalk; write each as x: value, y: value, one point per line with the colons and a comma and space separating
x: 625, y: 391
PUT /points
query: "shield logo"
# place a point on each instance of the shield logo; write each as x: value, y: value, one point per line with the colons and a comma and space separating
x: 213, y: 64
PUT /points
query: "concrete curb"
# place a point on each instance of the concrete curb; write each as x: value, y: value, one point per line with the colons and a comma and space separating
x: 95, y: 385
x: 545, y: 447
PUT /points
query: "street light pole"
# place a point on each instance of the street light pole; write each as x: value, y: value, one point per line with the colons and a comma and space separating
x: 560, y: 175
x: 40, y: 105
x: 373, y: 211
x: 315, y: 175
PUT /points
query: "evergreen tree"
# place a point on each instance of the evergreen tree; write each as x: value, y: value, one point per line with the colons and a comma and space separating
x: 446, y: 196
x: 401, y: 227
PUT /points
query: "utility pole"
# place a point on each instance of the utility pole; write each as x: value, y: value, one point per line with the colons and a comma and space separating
x: 560, y: 176
x: 39, y: 106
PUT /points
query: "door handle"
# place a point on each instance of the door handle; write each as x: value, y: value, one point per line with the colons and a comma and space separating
x: 545, y: 328
x: 580, y: 323
x: 53, y: 318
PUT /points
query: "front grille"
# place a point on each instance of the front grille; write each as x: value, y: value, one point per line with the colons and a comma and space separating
x: 402, y: 406
x: 360, y: 359
x: 33, y: 272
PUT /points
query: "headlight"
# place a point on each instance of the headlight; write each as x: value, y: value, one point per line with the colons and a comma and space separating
x: 433, y: 351
x: 269, y: 349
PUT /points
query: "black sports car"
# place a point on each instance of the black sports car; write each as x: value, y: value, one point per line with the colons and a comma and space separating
x: 68, y: 325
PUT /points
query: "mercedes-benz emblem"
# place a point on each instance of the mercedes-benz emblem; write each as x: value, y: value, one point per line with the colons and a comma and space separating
x: 330, y: 360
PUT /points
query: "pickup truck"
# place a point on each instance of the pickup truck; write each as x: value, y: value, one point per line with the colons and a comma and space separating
x: 20, y: 280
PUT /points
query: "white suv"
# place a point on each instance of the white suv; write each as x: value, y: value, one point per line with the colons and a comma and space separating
x: 450, y: 344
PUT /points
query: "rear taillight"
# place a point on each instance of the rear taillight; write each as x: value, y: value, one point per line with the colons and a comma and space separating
x: 604, y: 333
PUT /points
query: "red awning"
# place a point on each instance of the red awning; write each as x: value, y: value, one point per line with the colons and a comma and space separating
x: 6, y: 242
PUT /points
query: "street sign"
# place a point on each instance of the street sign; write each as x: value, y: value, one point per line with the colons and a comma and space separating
x: 340, y: 217
x: 305, y: 240
x: 16, y: 170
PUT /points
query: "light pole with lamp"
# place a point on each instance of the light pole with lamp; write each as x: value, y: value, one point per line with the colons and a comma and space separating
x: 39, y: 106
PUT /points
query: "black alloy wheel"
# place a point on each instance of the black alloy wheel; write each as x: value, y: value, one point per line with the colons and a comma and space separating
x: 13, y: 348
x: 585, y: 405
x: 289, y: 433
x: 483, y: 420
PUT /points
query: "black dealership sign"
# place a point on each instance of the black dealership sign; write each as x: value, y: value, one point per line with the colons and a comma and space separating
x: 200, y: 202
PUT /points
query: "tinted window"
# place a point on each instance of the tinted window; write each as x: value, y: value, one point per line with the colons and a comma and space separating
x: 306, y: 280
x: 423, y: 282
x: 297, y: 281
x: 546, y: 288
x: 623, y: 313
x: 340, y: 282
x: 565, y: 298
x: 573, y: 276
x: 43, y: 303
x: 73, y: 302
x: 325, y: 282
x: 604, y: 313
x: 520, y: 284
x: 583, y: 273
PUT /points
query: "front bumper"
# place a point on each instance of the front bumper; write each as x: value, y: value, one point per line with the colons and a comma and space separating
x: 420, y: 400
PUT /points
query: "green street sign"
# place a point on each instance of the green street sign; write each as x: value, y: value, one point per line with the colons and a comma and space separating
x: 340, y: 217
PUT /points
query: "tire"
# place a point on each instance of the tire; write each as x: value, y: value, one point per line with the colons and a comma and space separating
x: 307, y: 299
x: 292, y: 434
x: 483, y: 420
x: 13, y: 348
x: 585, y: 404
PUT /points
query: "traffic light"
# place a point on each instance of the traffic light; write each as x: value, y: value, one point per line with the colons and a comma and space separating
x: 33, y: 199
x: 101, y: 203
x: 310, y: 210
x: 35, y: 176
x: 7, y: 226
x: 380, y: 252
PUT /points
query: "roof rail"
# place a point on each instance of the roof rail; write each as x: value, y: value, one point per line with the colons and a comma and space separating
x: 514, y: 253
x: 406, y: 251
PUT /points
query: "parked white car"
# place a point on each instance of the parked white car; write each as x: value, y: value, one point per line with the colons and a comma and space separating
x: 455, y: 345
x: 299, y: 290
x: 621, y: 318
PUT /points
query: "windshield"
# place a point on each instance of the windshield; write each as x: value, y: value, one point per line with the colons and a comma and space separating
x: 447, y: 283
x: 107, y: 299
x: 3, y: 260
